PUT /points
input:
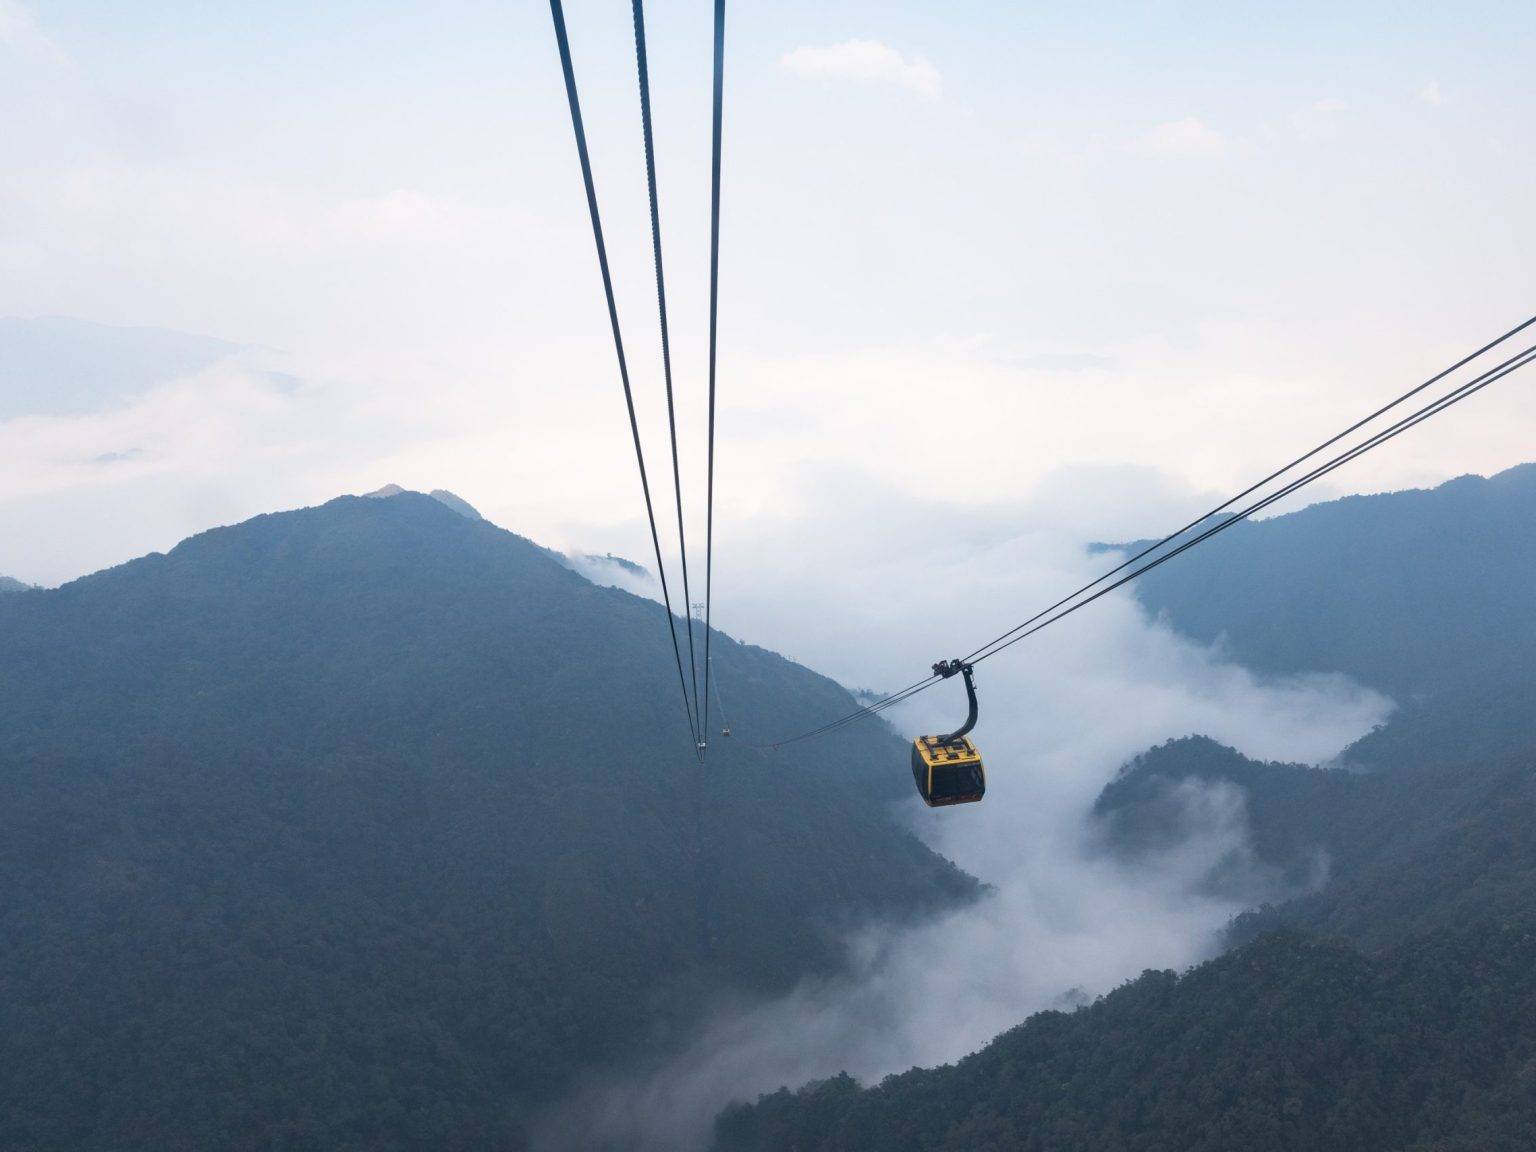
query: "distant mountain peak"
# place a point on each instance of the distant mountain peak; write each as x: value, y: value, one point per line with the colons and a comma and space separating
x: 370, y: 734
x: 11, y: 584
x: 444, y: 497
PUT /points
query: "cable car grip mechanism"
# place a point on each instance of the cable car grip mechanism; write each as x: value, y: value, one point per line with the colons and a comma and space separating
x: 946, y: 669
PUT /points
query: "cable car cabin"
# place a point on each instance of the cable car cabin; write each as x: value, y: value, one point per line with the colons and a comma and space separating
x: 948, y: 771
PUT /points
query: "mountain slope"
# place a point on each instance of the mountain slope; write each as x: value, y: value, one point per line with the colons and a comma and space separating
x: 1428, y: 595
x: 1403, y: 852
x: 1285, y: 1045
x: 1425, y: 594
x: 1426, y: 1041
x: 368, y: 825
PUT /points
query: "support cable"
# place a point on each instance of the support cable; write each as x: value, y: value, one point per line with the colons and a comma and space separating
x: 714, y: 314
x: 725, y: 716
x: 558, y: 14
x: 1434, y: 408
x: 1252, y: 488
x: 666, y: 342
x: 1035, y: 623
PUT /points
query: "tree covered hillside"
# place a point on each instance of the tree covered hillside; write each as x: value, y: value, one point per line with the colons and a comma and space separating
x: 366, y: 826
x: 1285, y: 1045
x: 1377, y: 857
x: 1427, y: 595
x: 1416, y: 1032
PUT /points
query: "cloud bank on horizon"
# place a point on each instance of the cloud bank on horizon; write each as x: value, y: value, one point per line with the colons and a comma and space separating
x: 1059, y: 715
x: 867, y: 62
x: 20, y: 30
x: 1080, y: 239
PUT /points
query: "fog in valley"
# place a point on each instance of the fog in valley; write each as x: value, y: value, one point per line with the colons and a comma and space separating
x: 955, y: 312
x: 840, y: 575
x: 1060, y: 712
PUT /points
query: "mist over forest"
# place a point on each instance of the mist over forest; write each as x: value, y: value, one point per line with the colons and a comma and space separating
x: 390, y: 779
x: 662, y: 577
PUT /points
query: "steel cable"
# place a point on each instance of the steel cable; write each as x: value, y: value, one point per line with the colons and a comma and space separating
x: 666, y: 341
x: 1019, y: 632
x: 558, y: 13
x: 714, y: 315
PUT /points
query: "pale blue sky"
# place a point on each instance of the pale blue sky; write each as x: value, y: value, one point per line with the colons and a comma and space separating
x: 998, y: 278
x: 1179, y: 237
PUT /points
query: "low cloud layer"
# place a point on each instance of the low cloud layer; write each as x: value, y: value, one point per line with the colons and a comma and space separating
x: 1431, y: 94
x: 867, y: 62
x: 1014, y: 267
x: 19, y: 30
x: 1190, y: 136
x: 1060, y: 713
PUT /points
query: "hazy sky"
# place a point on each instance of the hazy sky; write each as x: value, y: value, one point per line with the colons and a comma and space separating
x: 997, y: 278
x: 991, y: 255
x: 1058, y: 719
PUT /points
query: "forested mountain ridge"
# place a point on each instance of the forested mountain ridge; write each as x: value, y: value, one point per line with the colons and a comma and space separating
x: 1379, y: 857
x: 368, y: 825
x: 1394, y: 588
x: 1288, y: 1044
x: 1426, y: 595
x: 1413, y: 1033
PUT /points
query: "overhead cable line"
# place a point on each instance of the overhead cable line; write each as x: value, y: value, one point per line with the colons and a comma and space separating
x: 1514, y: 363
x: 1434, y: 408
x: 714, y: 314
x: 873, y: 709
x: 666, y: 342
x: 1461, y: 393
x: 1020, y: 631
x: 1252, y: 488
x: 557, y: 12
x: 852, y: 717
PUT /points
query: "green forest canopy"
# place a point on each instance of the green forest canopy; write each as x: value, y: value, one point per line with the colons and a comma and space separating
x: 369, y: 826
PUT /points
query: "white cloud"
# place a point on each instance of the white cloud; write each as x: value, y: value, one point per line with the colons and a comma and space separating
x: 315, y: 238
x: 869, y: 62
x: 400, y: 211
x: 249, y: 433
x: 19, y: 29
x: 1330, y: 104
x: 1190, y: 136
x: 1059, y: 716
x: 1431, y: 94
